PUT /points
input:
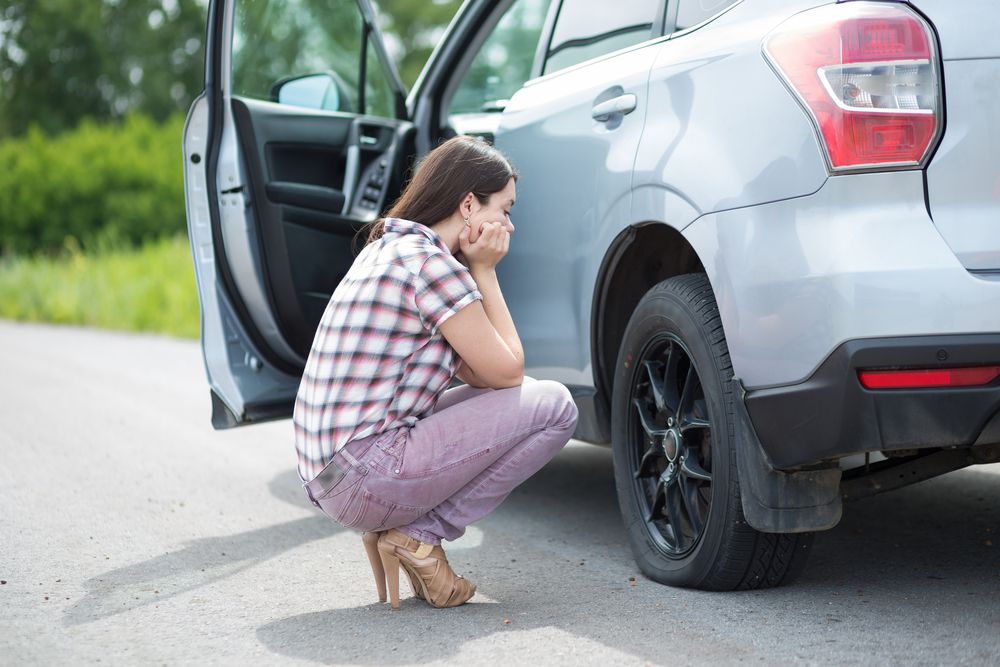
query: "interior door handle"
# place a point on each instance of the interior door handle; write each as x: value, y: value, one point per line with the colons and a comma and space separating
x: 623, y: 104
x: 306, y: 196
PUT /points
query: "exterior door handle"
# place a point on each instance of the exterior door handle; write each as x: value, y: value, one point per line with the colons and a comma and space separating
x: 621, y: 105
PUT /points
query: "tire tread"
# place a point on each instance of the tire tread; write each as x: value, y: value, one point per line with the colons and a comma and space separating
x: 747, y: 559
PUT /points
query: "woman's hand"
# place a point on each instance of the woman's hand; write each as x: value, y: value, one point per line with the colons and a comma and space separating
x: 476, y: 228
x: 488, y: 249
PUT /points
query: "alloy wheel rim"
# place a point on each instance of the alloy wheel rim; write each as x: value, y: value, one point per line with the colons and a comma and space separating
x: 670, y: 446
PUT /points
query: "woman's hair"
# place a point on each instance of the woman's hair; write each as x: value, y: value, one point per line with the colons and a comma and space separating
x: 445, y: 175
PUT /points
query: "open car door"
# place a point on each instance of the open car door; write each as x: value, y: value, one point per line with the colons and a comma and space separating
x: 296, y: 143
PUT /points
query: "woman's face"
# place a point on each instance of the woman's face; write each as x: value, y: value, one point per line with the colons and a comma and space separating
x: 496, y: 209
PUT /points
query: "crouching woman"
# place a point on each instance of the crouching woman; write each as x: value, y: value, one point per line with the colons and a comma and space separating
x: 383, y: 445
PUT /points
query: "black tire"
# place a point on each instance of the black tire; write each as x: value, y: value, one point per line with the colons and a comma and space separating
x: 674, y: 450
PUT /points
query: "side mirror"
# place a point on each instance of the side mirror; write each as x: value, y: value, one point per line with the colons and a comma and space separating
x: 314, y: 91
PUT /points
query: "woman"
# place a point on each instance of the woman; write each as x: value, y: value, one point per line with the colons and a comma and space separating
x: 384, y: 447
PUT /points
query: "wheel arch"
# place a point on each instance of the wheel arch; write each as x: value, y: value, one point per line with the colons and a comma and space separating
x: 640, y: 256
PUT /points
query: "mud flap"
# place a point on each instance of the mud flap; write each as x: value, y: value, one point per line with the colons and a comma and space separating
x: 775, y: 501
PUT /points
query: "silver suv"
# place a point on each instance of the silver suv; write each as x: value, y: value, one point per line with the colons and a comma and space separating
x: 758, y: 239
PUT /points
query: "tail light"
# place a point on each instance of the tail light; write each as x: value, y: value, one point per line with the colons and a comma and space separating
x: 868, y: 74
x: 928, y: 378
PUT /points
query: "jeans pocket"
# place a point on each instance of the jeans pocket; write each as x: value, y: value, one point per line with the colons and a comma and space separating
x: 353, y: 511
x: 346, y: 483
x: 341, y: 502
x: 387, y: 453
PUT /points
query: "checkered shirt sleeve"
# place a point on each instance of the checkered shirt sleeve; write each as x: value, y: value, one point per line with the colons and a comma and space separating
x: 443, y: 287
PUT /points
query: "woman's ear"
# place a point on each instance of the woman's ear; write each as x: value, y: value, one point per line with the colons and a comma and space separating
x: 465, y: 208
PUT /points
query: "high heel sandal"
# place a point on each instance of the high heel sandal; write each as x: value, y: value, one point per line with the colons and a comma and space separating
x: 370, y: 542
x: 427, y: 567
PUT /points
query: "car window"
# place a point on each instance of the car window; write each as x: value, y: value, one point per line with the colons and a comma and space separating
x: 585, y: 29
x: 504, y: 62
x: 306, y: 53
x: 693, y: 12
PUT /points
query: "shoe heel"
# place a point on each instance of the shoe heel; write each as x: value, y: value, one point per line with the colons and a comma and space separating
x: 370, y: 540
x: 390, y: 564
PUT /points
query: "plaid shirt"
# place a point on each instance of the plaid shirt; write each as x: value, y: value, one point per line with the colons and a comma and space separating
x: 378, y: 360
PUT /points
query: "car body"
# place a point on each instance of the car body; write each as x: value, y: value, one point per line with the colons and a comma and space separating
x: 655, y: 140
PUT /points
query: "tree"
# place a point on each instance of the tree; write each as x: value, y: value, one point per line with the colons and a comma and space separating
x: 412, y: 28
x: 64, y: 60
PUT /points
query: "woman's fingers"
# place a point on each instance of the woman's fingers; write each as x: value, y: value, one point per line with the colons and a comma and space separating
x: 491, y: 229
x: 489, y: 248
x: 497, y: 241
x: 491, y: 233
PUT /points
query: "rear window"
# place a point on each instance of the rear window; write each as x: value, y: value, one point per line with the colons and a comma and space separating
x: 585, y: 29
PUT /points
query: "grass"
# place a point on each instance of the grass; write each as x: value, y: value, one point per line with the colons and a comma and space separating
x: 150, y: 288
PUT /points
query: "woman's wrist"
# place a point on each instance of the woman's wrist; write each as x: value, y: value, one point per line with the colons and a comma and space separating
x: 479, y: 271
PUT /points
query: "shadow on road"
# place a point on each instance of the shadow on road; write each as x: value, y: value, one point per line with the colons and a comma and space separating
x: 554, y: 555
x: 941, y: 536
x: 200, y: 563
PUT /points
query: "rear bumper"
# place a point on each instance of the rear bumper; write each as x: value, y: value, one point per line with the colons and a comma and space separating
x: 858, y: 259
x: 830, y: 415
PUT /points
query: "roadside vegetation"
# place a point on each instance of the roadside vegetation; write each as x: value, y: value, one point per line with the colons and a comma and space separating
x: 145, y: 288
x: 97, y: 183
x: 92, y: 102
x: 92, y: 228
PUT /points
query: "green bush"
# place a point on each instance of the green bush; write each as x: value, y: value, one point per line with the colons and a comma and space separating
x: 150, y: 288
x: 121, y: 183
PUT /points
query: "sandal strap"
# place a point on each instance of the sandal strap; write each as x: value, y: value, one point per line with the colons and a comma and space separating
x: 419, y: 549
x: 443, y: 586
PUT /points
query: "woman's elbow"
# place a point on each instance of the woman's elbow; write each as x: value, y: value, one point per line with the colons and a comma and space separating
x: 510, y: 377
x: 502, y: 375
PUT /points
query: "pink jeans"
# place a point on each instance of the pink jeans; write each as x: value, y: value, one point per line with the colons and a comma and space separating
x: 452, y: 467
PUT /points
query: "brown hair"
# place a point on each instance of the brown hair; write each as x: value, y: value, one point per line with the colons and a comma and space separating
x: 455, y: 168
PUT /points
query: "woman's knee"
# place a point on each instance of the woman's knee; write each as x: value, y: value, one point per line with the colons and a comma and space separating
x: 559, y: 402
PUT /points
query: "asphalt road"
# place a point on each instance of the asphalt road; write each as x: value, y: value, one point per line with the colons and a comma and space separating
x: 132, y: 533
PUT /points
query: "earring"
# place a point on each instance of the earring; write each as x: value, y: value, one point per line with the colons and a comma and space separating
x: 467, y: 223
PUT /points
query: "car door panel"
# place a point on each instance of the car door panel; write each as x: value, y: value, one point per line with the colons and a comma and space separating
x: 260, y: 128
x: 274, y: 214
x: 576, y: 175
x: 242, y: 388
x: 303, y: 169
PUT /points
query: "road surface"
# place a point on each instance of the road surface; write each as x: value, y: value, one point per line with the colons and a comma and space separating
x: 133, y: 533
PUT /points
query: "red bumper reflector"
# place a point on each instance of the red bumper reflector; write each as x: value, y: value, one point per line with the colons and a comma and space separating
x: 928, y: 378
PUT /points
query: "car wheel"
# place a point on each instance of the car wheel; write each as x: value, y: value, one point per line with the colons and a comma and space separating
x: 673, y: 432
